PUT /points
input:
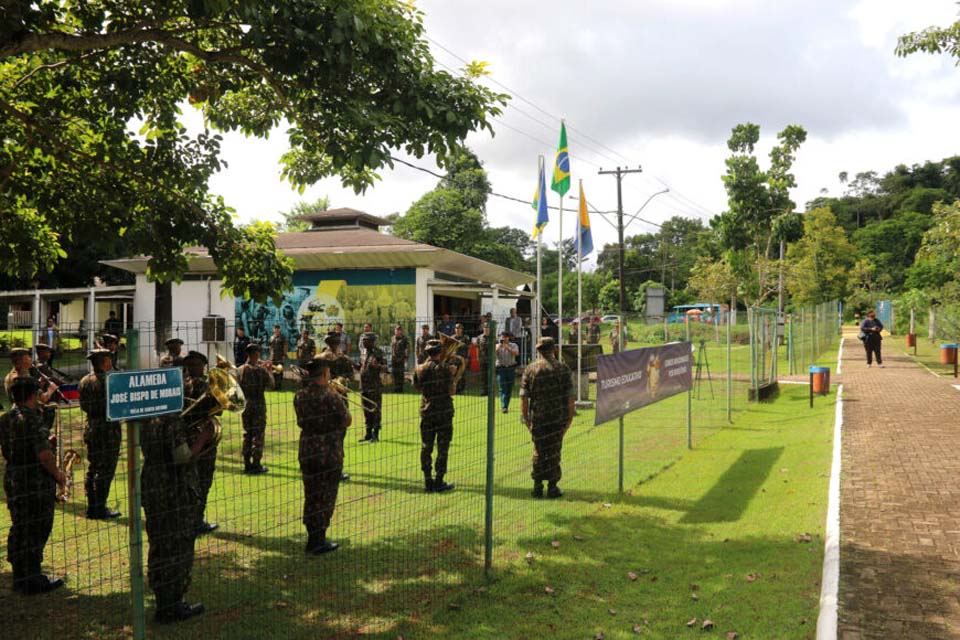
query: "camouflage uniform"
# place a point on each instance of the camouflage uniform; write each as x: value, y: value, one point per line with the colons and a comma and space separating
x: 421, y: 345
x: 170, y: 500
x: 102, y: 439
x: 30, y: 490
x: 399, y: 352
x: 254, y: 380
x: 278, y: 351
x: 483, y: 353
x: 370, y: 386
x: 593, y: 334
x: 306, y: 349
x: 199, y: 422
x: 436, y: 416
x: 322, y: 417
x: 547, y: 385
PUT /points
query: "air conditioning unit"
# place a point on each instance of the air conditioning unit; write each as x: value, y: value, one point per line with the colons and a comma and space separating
x: 214, y: 329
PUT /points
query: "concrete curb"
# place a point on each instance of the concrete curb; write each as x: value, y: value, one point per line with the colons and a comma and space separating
x: 830, y: 579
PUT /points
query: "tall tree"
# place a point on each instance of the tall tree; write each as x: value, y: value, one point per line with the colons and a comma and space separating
x: 291, y: 218
x: 821, y: 261
x: 351, y: 79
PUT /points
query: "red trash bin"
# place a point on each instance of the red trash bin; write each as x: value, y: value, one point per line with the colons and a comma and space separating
x: 948, y: 353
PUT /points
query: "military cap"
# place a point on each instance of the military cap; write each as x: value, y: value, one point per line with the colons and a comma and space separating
x: 253, y: 346
x: 172, y: 341
x: 546, y: 343
x: 194, y: 355
x: 18, y: 352
x: 22, y: 388
x: 95, y: 355
x: 107, y: 338
x: 433, y: 347
x: 369, y: 335
x: 425, y: 326
x: 315, y: 367
x: 332, y: 337
x: 42, y: 346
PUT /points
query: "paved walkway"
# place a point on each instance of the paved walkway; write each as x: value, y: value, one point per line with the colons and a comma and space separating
x: 900, y: 499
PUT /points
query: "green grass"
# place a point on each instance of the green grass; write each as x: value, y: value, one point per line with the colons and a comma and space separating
x: 410, y: 563
x: 928, y: 353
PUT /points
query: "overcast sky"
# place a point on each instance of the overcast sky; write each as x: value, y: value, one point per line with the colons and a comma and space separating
x: 659, y: 84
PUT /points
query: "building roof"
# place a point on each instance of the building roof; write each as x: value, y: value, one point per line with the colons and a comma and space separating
x: 356, y: 247
x: 343, y: 217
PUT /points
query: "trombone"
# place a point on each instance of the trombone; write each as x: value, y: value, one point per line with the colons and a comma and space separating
x: 340, y: 386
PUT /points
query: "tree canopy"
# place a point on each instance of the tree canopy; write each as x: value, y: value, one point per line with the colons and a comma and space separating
x: 351, y: 80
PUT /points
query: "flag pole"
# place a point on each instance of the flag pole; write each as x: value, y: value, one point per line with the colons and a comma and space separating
x: 579, y: 298
x: 560, y: 276
x: 539, y: 310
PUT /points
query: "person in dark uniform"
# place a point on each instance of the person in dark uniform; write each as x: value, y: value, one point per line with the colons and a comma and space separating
x: 172, y: 357
x: 101, y: 437
x: 23, y: 368
x: 254, y: 379
x: 49, y: 380
x: 202, y: 428
x: 436, y: 417
x: 306, y: 348
x: 340, y: 367
x: 484, y: 344
x: 323, y: 418
x: 240, y: 343
x: 111, y: 343
x: 546, y: 396
x: 419, y: 348
x: 399, y: 352
x: 374, y: 362
x: 870, y: 328
x: 170, y: 489
x: 278, y: 351
x: 463, y: 351
x: 30, y: 482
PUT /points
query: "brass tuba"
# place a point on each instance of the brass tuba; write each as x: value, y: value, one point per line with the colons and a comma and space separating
x: 223, y: 389
x: 449, y: 356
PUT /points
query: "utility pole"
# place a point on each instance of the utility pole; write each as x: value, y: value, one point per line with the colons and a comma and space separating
x: 619, y: 173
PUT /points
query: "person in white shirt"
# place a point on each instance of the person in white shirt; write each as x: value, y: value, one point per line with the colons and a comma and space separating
x: 507, y: 353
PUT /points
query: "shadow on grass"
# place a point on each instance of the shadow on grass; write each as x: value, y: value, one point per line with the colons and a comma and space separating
x: 731, y: 494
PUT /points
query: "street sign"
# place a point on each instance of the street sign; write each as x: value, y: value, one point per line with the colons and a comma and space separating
x: 135, y: 395
x: 632, y: 379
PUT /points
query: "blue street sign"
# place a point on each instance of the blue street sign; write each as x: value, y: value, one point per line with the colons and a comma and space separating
x: 135, y: 395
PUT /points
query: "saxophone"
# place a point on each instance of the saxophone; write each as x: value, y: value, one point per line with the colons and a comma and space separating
x: 70, y: 458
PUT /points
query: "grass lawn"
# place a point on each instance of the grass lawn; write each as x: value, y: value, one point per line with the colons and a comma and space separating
x: 411, y: 563
x: 928, y: 353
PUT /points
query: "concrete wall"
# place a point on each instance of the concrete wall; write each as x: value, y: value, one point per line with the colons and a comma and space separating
x: 424, y: 298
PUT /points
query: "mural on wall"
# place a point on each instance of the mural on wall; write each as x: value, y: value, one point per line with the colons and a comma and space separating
x: 320, y: 299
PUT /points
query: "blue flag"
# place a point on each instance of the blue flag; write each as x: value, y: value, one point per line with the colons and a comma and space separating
x: 540, y: 204
x: 583, y: 243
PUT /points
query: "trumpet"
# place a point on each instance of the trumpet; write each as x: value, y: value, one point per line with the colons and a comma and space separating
x: 70, y: 458
x: 340, y: 386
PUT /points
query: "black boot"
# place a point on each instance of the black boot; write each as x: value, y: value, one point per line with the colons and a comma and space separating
x: 375, y: 435
x: 553, y: 491
x: 367, y: 437
x: 203, y: 527
x: 256, y: 468
x: 537, y: 489
x: 178, y: 612
x: 439, y: 486
x: 322, y: 545
x: 428, y: 483
x: 313, y: 539
x: 39, y: 583
x: 247, y: 466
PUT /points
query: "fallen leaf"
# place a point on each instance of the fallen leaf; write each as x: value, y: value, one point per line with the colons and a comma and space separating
x: 732, y: 635
x: 692, y: 622
x: 480, y: 590
x: 752, y: 577
x: 612, y: 612
x: 555, y: 544
x: 789, y: 491
x: 694, y: 586
x: 549, y: 591
x: 529, y: 556
x: 632, y: 576
x: 694, y: 596
x: 282, y: 604
x: 803, y: 622
x: 607, y: 505
x: 399, y: 638
x: 804, y: 537
x: 599, y: 636
x: 637, y: 629
x: 653, y: 579
x: 579, y: 538
x: 454, y: 606
x: 707, y: 625
x: 784, y: 470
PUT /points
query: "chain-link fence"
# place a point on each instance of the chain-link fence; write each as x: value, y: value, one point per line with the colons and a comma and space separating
x: 403, y: 549
x: 811, y: 332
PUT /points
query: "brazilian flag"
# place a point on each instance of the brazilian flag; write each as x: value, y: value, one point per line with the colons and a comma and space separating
x: 561, y: 165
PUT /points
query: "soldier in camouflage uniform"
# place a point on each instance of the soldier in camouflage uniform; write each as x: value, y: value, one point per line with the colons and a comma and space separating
x: 254, y: 379
x: 546, y: 395
x: 170, y: 494
x: 101, y: 437
x: 30, y: 482
x: 371, y: 387
x: 340, y: 367
x: 111, y: 343
x: 436, y: 416
x: 399, y: 352
x: 202, y: 428
x: 172, y: 357
x: 323, y: 418
x: 306, y: 348
x: 420, y: 349
x: 278, y: 351
x: 484, y: 343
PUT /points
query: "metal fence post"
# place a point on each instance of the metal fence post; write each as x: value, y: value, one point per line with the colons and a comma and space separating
x: 689, y: 399
x: 136, y: 532
x: 620, y: 452
x: 753, y: 348
x: 491, y: 413
x: 729, y: 374
x: 790, y: 347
